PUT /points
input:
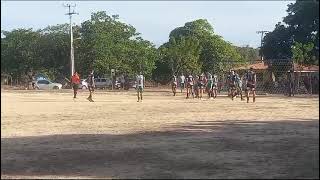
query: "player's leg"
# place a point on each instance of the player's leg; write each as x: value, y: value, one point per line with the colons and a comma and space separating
x: 192, y: 90
x: 254, y: 94
x: 141, y: 90
x: 74, y: 91
x: 247, y: 93
x: 187, y: 91
x: 138, y: 95
x: 240, y: 89
x: 90, y: 93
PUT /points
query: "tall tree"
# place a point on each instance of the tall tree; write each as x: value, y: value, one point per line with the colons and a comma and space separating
x: 109, y: 44
x: 301, y: 26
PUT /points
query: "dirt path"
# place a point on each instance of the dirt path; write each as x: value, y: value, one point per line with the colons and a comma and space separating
x: 47, y: 134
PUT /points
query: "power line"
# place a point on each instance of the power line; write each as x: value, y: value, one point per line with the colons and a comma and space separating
x: 72, y: 69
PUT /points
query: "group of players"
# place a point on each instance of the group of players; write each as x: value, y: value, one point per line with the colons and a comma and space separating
x: 195, y: 86
x: 198, y: 85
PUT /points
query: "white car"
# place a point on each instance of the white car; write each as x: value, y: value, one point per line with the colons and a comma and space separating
x: 84, y: 84
x: 44, y: 84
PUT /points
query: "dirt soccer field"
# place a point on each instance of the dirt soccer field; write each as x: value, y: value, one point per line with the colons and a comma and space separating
x: 49, y: 135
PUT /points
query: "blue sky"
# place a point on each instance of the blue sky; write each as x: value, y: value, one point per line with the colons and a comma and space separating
x: 236, y: 21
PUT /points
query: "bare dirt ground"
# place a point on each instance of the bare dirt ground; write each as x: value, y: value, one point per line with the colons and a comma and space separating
x: 49, y: 135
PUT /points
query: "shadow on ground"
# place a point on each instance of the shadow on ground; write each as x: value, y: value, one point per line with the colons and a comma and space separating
x: 206, y: 149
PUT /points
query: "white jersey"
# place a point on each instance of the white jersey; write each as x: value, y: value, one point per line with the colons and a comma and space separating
x: 182, y: 79
x: 140, y: 80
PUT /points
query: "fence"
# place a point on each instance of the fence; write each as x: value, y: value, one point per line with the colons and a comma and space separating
x: 283, y: 76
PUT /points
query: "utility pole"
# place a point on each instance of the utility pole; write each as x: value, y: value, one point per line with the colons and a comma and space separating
x: 71, y: 37
x: 262, y: 33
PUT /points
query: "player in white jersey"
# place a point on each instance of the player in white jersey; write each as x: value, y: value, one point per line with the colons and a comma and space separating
x: 182, y: 82
x: 140, y: 86
x: 190, y: 83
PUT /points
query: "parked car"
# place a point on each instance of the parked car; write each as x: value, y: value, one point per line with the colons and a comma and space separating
x: 45, y: 84
x: 103, y: 82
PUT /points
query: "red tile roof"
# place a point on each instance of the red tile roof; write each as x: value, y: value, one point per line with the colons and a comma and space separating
x: 255, y: 66
x: 263, y: 66
x: 305, y: 68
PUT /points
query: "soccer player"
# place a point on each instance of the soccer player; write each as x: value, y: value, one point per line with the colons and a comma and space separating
x: 182, y: 81
x: 210, y: 85
x: 91, y: 85
x: 190, y: 83
x: 238, y: 83
x: 140, y: 86
x: 215, y: 85
x: 231, y: 81
x: 251, y: 80
x: 174, y: 84
x: 75, y: 81
x: 201, y: 83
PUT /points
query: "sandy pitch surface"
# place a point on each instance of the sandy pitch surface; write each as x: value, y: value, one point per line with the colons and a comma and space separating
x: 49, y: 135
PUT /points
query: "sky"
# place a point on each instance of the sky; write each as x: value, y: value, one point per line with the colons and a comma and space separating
x: 236, y: 21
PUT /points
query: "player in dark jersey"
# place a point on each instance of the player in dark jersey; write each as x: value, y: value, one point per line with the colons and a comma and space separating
x: 251, y: 79
x: 232, y: 84
x: 201, y: 85
x: 91, y: 85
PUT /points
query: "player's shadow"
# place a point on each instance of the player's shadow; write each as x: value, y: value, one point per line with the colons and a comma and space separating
x: 206, y: 149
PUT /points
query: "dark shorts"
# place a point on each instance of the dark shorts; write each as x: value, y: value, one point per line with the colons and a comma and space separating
x: 232, y: 86
x: 182, y: 85
x: 75, y: 86
x: 91, y: 88
x: 201, y: 85
x: 189, y: 85
x: 250, y: 87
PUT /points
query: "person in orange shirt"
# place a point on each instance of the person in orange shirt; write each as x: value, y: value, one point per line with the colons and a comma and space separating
x: 75, y: 81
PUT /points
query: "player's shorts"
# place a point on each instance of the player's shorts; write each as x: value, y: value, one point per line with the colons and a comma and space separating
x: 231, y: 86
x: 200, y: 85
x: 140, y: 89
x: 250, y: 86
x: 75, y: 86
x: 91, y: 88
x: 174, y: 84
x: 189, y: 85
x: 182, y: 85
x: 214, y: 85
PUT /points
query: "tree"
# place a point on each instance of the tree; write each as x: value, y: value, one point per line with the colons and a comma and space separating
x: 109, y: 44
x: 301, y: 25
x: 215, y: 54
x: 301, y: 52
x: 20, y: 52
x: 249, y: 54
x: 182, y: 55
x: 277, y: 44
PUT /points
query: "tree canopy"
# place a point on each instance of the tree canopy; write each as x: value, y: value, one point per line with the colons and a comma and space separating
x: 300, y: 26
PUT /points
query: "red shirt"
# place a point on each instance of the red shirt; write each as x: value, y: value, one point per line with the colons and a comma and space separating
x: 75, y: 79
